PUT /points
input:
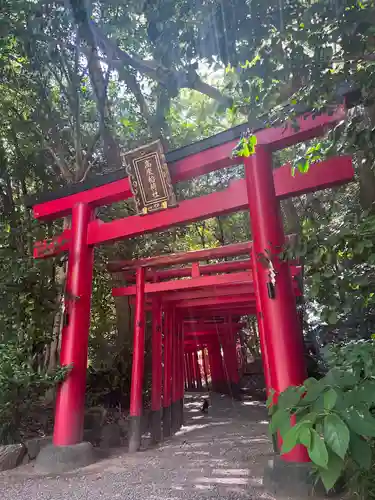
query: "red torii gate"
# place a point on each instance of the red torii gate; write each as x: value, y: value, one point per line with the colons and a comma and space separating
x: 190, y: 296
x: 259, y: 192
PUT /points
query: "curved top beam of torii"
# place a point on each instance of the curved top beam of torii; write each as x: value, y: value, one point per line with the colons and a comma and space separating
x: 184, y: 163
x: 202, y: 158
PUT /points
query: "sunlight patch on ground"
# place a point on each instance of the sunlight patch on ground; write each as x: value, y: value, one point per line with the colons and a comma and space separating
x: 231, y: 472
x: 189, y: 428
x: 253, y: 481
x: 253, y: 403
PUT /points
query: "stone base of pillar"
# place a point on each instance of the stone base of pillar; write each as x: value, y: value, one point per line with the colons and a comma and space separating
x: 167, y: 422
x: 156, y: 434
x: 135, y: 434
x: 293, y: 480
x: 58, y: 459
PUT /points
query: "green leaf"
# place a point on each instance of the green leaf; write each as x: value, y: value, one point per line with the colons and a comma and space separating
x: 360, y: 451
x: 343, y: 379
x: 309, y: 417
x: 318, y: 450
x: 314, y: 391
x: 280, y: 420
x: 365, y: 393
x: 349, y: 379
x: 330, y: 474
x: 290, y: 439
x: 329, y: 399
x: 305, y: 437
x: 310, y: 382
x: 289, y: 398
x: 303, y: 165
x: 336, y: 435
x: 361, y: 422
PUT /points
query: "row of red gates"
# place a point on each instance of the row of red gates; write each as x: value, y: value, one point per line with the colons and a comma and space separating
x: 186, y: 303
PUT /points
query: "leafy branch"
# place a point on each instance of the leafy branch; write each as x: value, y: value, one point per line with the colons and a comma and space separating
x: 246, y: 147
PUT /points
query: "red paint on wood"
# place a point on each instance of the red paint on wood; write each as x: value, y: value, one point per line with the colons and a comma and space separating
x: 183, y: 257
x: 221, y: 267
x: 99, y: 196
x: 55, y: 246
x: 136, y: 391
x: 202, y: 281
x: 333, y: 172
x: 70, y: 404
x: 284, y: 336
x: 322, y: 175
x: 157, y: 374
x: 168, y: 353
x: 216, y: 301
x: 196, y: 164
x: 191, y: 329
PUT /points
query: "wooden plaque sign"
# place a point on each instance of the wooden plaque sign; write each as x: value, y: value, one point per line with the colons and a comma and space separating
x: 149, y: 178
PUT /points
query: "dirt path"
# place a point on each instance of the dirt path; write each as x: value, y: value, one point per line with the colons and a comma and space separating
x: 219, y: 456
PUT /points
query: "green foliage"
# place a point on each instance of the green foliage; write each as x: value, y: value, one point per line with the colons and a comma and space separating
x: 334, y: 418
x: 310, y: 155
x: 245, y: 147
x: 21, y: 388
x: 338, y: 249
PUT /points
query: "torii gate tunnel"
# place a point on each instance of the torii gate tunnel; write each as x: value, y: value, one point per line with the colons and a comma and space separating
x: 185, y: 312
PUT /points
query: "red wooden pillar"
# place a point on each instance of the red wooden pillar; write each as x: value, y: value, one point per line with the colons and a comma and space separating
x: 283, y: 334
x: 213, y: 369
x: 208, y: 367
x: 157, y: 354
x: 186, y: 372
x: 198, y: 371
x: 175, y: 367
x: 182, y: 385
x: 225, y: 386
x: 217, y: 368
x: 230, y: 358
x: 167, y: 394
x: 195, y: 368
x: 179, y: 374
x: 205, y: 369
x: 262, y: 334
x: 136, y: 390
x: 70, y: 403
x: 192, y: 372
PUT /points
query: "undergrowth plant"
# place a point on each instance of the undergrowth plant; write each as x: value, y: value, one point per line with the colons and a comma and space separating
x: 334, y: 418
x: 21, y: 388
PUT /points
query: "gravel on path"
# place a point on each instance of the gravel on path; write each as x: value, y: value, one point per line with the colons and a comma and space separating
x: 216, y: 456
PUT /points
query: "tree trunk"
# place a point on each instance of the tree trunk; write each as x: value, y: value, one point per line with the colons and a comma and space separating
x: 366, y: 184
x: 60, y: 278
x: 292, y: 220
x: 124, y: 322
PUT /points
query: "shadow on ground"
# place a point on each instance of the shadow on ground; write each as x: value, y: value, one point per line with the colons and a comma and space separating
x: 220, y: 455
